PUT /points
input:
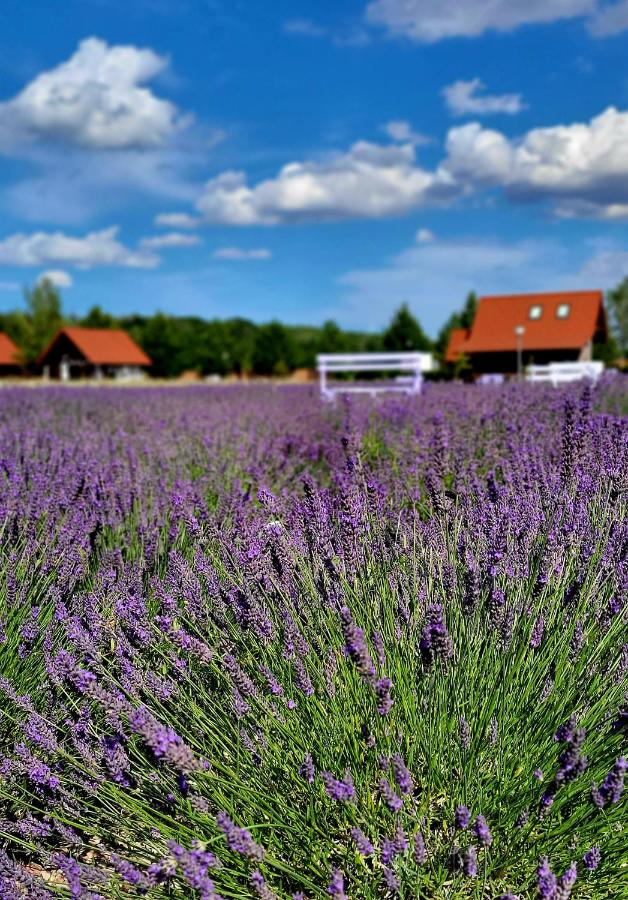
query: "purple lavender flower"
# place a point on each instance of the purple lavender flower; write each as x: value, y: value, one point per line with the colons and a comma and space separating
x: 462, y: 817
x: 385, y: 702
x: 391, y: 880
x: 388, y: 851
x: 260, y: 887
x: 239, y: 840
x: 613, y: 785
x: 435, y: 642
x: 566, y: 882
x: 470, y: 861
x: 401, y: 840
x: 402, y: 774
x: 546, y: 880
x: 301, y: 677
x: 592, y: 858
x: 362, y: 842
x: 418, y: 849
x: 537, y: 633
x: 336, y: 887
x: 380, y: 654
x: 306, y: 769
x: 341, y: 789
x: 273, y: 685
x: 356, y: 646
x: 464, y: 733
x: 392, y: 800
x: 482, y: 832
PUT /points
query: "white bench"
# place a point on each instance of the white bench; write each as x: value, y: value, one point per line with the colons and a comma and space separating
x: 413, y: 363
x: 560, y: 372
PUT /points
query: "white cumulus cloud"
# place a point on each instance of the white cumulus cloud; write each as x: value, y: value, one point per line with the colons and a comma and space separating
x: 239, y: 255
x: 96, y: 99
x: 610, y: 20
x: 433, y: 20
x: 465, y: 98
x: 585, y: 162
x: 402, y: 132
x: 367, y: 181
x: 177, y: 220
x: 57, y: 277
x: 98, y: 248
x: 171, y: 239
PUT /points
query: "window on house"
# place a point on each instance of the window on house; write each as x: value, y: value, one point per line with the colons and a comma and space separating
x: 562, y: 310
x: 535, y: 311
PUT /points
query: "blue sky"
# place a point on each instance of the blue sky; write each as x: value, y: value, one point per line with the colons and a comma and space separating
x: 306, y: 161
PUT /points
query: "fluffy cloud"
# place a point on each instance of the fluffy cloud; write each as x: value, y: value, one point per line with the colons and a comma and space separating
x: 432, y: 20
x: 465, y: 98
x: 610, y: 20
x: 172, y: 239
x: 177, y: 220
x: 573, y: 164
x: 368, y: 181
x: 57, y: 277
x: 402, y: 132
x: 238, y: 254
x: 99, y: 248
x: 424, y: 236
x: 96, y: 99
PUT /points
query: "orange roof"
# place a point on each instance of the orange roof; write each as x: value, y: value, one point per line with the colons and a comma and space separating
x: 9, y: 353
x: 102, y: 346
x: 457, y: 337
x: 496, y: 318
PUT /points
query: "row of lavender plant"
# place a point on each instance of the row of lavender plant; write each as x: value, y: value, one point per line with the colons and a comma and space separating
x: 254, y: 646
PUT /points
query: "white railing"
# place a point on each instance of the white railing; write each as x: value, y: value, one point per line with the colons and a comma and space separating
x: 413, y: 363
x: 560, y: 372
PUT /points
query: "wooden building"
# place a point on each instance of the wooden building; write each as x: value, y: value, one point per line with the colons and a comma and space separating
x: 542, y: 328
x: 92, y: 353
x: 9, y: 356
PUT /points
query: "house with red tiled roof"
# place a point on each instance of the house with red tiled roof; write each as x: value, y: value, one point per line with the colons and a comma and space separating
x: 554, y: 327
x: 92, y: 353
x: 9, y: 356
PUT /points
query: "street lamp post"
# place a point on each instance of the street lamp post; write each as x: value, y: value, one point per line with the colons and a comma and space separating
x: 519, y: 333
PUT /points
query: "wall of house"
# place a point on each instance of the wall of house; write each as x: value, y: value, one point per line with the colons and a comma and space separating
x: 506, y: 362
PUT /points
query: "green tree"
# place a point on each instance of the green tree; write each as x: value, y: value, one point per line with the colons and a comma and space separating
x: 98, y: 318
x: 617, y: 305
x: 331, y: 338
x: 42, y: 319
x: 460, y: 319
x: 405, y: 333
x: 274, y: 350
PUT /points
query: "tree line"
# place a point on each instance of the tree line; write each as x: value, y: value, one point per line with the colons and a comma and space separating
x: 177, y: 344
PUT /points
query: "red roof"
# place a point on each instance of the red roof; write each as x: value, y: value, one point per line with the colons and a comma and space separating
x: 102, y: 347
x: 9, y: 353
x: 457, y: 337
x: 496, y: 318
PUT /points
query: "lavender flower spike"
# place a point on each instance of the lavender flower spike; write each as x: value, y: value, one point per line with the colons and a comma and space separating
x: 482, y: 832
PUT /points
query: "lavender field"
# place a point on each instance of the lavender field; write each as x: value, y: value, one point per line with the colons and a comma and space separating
x: 256, y: 646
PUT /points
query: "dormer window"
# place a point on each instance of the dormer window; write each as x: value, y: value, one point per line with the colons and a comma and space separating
x: 535, y: 311
x: 562, y: 311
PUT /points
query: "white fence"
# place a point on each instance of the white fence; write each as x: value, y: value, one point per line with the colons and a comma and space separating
x: 413, y: 363
x: 559, y: 372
